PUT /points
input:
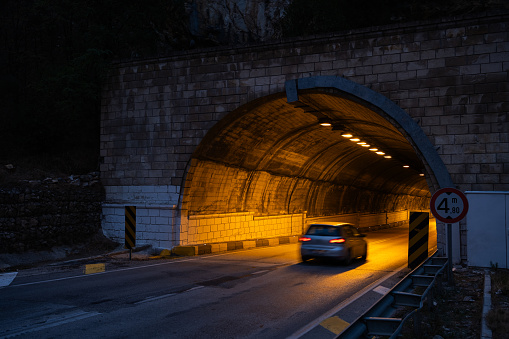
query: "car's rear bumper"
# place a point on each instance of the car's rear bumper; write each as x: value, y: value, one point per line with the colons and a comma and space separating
x: 337, y: 252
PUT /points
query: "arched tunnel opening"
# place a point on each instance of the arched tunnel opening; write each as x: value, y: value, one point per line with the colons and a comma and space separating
x: 273, y: 166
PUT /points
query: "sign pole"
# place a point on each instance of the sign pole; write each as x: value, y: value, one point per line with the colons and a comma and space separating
x: 450, y: 277
x: 449, y: 205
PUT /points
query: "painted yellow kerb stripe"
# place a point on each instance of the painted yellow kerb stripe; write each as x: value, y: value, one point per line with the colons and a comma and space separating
x: 335, y: 324
x: 94, y: 268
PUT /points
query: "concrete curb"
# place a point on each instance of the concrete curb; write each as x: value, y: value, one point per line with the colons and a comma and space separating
x: 191, y: 250
x: 486, y: 307
x: 199, y: 249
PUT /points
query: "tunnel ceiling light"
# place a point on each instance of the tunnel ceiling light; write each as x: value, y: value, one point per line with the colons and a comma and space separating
x: 373, y: 149
x: 325, y: 122
x: 406, y: 166
x: 347, y: 135
x: 387, y: 157
x: 366, y: 145
x: 380, y: 153
x: 355, y: 139
x: 361, y: 143
x: 421, y: 174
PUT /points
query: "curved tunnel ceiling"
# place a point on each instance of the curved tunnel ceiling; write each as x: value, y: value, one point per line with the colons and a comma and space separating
x: 285, y: 139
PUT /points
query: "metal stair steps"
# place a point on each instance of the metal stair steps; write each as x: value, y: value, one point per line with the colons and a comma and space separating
x: 439, y: 261
x: 432, y: 269
x: 407, y: 299
x: 422, y: 280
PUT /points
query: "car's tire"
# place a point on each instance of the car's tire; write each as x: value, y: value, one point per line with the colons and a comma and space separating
x: 305, y: 258
x: 365, y: 255
x: 348, y: 259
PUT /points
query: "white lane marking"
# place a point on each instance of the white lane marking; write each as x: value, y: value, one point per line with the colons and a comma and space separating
x: 194, y: 288
x: 174, y: 261
x: 382, y: 290
x: 61, y: 319
x: 149, y: 299
x: 259, y: 272
x: 345, y: 303
x: 105, y: 272
x: 7, y: 278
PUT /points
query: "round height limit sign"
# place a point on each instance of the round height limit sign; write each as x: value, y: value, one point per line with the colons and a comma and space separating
x: 449, y: 205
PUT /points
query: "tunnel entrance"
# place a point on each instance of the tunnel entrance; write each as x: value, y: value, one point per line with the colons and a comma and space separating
x: 327, y: 148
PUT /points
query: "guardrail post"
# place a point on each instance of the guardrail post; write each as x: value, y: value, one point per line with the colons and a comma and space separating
x: 429, y: 299
x: 450, y: 277
x: 417, y: 324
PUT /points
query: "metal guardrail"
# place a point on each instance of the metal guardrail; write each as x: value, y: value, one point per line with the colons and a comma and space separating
x: 378, y: 320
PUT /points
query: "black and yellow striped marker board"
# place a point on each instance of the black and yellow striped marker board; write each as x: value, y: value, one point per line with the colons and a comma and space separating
x: 418, y: 238
x: 130, y: 226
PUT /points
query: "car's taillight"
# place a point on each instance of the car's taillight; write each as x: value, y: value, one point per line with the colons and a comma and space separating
x: 337, y: 241
x: 304, y: 239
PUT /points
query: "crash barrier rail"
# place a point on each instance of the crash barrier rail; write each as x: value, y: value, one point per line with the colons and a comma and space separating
x: 402, y: 298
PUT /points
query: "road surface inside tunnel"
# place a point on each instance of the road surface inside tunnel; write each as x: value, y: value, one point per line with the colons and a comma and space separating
x: 263, y: 292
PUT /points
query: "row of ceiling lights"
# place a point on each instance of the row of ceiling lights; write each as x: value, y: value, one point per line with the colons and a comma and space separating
x: 328, y: 123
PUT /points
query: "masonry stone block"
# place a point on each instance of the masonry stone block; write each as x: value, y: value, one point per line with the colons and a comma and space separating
x: 248, y: 244
x: 485, y: 158
x: 185, y: 250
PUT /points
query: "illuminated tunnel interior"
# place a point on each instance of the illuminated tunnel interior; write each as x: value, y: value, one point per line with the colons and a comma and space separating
x: 324, y: 155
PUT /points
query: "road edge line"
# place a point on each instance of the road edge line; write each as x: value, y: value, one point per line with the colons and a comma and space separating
x: 299, y: 333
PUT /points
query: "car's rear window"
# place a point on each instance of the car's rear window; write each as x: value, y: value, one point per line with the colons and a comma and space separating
x: 324, y: 230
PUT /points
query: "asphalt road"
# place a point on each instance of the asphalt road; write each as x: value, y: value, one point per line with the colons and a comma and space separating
x: 258, y: 293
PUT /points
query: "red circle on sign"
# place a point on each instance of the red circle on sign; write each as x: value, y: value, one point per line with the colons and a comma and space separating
x: 441, y: 195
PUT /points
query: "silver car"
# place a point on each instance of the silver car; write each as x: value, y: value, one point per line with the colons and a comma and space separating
x: 342, y: 242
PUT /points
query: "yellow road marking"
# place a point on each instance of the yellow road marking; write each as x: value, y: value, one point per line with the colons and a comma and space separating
x: 335, y: 324
x: 94, y: 268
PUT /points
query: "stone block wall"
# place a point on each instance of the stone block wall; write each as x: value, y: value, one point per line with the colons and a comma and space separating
x: 155, y: 225
x: 365, y: 221
x: 450, y: 75
x: 217, y: 228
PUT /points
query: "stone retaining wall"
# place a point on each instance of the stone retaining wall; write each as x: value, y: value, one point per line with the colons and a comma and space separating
x: 39, y: 216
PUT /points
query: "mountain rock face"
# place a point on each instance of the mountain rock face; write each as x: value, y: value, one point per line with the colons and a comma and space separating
x: 231, y: 22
